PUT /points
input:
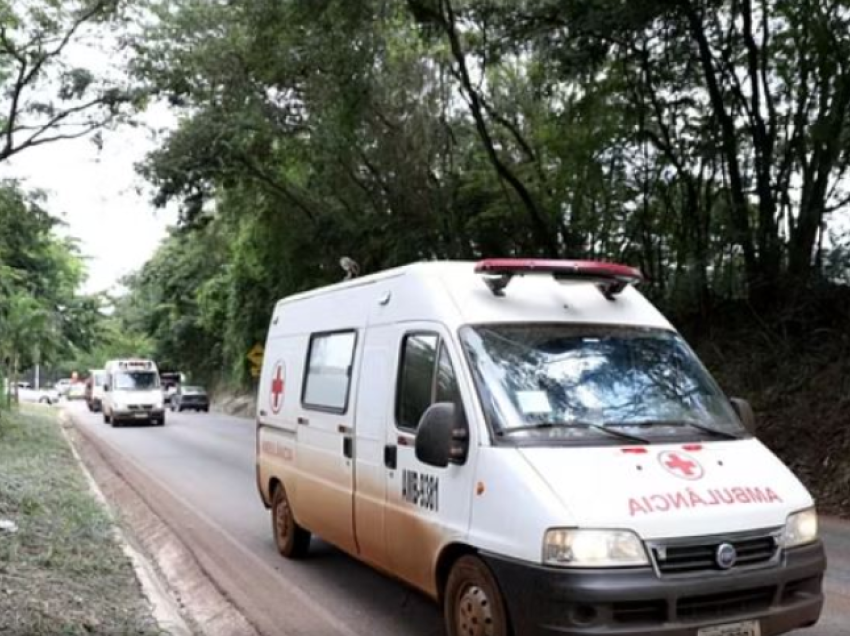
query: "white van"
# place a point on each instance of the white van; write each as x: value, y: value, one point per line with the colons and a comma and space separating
x: 132, y: 393
x: 532, y: 444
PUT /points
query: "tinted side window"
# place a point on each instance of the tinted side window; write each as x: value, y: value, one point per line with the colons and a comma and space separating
x: 426, y: 376
x: 328, y: 377
x: 416, y: 382
x: 446, y: 385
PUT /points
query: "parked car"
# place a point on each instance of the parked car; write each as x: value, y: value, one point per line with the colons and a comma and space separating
x: 190, y: 397
x: 37, y: 396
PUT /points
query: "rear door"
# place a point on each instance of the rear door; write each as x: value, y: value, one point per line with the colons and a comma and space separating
x: 325, y: 432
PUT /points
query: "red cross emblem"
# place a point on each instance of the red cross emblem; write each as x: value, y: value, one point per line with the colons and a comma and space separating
x: 681, y: 465
x: 278, y: 385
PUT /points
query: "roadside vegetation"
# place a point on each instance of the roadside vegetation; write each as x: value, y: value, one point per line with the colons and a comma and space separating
x: 705, y: 142
x: 52, y: 93
x: 62, y: 571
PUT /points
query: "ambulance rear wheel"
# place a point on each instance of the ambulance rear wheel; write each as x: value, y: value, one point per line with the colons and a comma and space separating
x: 292, y: 540
x: 473, y: 604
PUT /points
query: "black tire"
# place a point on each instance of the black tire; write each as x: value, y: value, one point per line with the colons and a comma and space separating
x: 206, y: 409
x: 105, y: 418
x: 292, y: 540
x: 473, y: 604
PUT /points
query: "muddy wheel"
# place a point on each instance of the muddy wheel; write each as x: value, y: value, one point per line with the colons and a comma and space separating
x: 473, y: 605
x: 292, y: 540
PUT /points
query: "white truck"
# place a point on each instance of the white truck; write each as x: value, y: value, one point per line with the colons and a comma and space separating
x: 132, y: 393
x: 94, y: 389
x: 532, y: 444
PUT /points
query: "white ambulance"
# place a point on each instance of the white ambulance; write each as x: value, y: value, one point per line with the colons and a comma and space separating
x: 533, y: 445
x: 132, y: 393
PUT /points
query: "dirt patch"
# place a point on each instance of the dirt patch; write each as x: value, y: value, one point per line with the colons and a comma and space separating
x: 238, y: 405
x: 792, y: 361
x: 63, y: 571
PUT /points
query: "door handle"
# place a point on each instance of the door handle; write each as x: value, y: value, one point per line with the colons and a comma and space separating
x: 391, y: 456
x: 348, y: 447
x: 303, y: 421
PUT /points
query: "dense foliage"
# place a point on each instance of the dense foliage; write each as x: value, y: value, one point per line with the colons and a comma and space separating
x: 53, y: 90
x: 42, y: 317
x: 704, y: 140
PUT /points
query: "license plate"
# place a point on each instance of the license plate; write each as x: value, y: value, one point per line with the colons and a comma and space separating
x: 745, y: 628
x: 141, y: 416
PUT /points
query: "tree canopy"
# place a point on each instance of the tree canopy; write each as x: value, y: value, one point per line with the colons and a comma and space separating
x: 705, y: 141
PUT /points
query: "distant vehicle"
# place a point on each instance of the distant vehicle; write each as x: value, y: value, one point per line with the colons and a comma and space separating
x: 37, y: 396
x: 170, y: 381
x: 190, y: 397
x: 132, y: 393
x: 77, y: 391
x: 94, y: 389
x: 63, y: 385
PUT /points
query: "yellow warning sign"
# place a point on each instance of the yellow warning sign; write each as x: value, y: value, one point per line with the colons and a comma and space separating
x: 255, y: 357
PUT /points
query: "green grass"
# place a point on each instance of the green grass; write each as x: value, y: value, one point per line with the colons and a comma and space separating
x: 63, y: 572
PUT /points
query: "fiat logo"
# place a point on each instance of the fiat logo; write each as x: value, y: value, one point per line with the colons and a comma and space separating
x: 726, y: 557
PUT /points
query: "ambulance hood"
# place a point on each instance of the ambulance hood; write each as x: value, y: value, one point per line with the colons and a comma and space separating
x: 661, y: 491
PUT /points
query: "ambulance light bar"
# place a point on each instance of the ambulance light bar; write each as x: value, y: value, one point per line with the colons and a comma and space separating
x: 610, y: 278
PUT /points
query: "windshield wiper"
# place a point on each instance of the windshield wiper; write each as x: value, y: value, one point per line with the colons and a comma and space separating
x: 651, y: 423
x: 583, y: 425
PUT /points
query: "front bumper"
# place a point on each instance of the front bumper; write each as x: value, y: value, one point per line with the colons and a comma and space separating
x: 544, y: 601
x: 194, y: 404
x: 139, y: 415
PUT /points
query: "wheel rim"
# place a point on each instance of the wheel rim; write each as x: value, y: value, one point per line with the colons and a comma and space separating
x: 474, y: 615
x: 281, y: 521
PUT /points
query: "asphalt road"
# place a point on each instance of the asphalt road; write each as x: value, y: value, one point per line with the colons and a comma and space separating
x: 205, y: 462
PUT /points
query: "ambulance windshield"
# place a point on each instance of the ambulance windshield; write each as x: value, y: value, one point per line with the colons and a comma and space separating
x: 136, y: 381
x: 545, y: 382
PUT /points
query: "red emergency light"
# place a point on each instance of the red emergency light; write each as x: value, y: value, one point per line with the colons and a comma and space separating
x: 610, y: 278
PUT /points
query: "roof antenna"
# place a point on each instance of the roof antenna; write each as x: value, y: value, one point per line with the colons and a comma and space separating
x: 350, y: 267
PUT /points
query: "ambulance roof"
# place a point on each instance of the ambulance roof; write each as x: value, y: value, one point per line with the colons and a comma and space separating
x: 452, y: 293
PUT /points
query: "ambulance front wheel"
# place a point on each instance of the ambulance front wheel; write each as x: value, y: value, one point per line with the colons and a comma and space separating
x: 292, y: 540
x: 473, y: 604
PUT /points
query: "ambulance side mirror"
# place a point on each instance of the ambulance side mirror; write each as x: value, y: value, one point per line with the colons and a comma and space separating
x: 442, y: 437
x: 745, y: 414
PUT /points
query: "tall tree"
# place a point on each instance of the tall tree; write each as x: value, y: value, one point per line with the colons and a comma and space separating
x: 51, y: 90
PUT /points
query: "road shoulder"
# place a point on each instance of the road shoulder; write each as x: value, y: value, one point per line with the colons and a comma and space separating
x: 170, y: 561
x: 62, y: 567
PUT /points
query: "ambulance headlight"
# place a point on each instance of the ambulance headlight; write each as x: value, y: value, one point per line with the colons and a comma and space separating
x: 593, y: 549
x: 801, y: 528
